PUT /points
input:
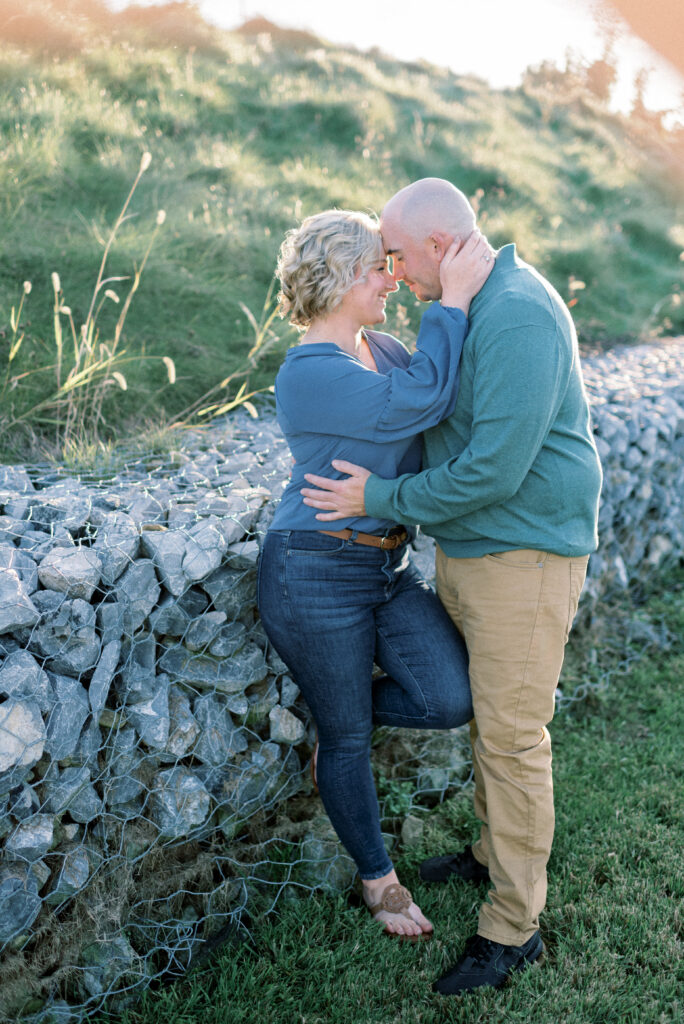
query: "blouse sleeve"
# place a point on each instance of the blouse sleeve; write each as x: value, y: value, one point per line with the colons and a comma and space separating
x: 338, y: 395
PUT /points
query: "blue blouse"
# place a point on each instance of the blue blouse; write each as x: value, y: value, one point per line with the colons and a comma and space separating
x: 331, y: 406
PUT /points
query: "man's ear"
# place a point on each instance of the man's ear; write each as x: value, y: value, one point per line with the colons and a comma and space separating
x: 439, y: 242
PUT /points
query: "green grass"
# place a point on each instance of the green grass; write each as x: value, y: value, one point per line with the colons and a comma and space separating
x: 247, y: 137
x: 613, y: 923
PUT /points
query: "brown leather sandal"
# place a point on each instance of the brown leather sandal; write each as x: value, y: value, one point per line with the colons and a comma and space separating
x: 396, y: 899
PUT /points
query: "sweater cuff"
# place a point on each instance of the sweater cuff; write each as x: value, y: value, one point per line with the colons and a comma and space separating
x: 455, y: 312
x: 377, y: 497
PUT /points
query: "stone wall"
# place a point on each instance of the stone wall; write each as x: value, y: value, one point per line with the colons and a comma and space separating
x: 145, y: 723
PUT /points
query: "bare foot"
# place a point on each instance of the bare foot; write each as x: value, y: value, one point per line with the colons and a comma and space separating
x: 409, y: 921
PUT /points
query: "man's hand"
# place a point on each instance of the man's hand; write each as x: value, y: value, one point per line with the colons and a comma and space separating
x: 343, y: 499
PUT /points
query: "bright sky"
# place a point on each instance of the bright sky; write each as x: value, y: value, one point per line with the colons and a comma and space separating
x: 495, y: 39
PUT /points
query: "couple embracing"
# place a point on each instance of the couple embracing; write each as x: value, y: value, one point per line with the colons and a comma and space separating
x: 481, y: 437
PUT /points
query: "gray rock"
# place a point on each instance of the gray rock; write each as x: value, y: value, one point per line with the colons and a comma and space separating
x: 69, y: 711
x: 108, y: 964
x: 262, y: 697
x: 23, y: 564
x: 22, y: 676
x: 88, y: 746
x: 73, y: 571
x: 237, y: 704
x: 22, y: 734
x: 24, y: 802
x: 179, y: 803
x: 123, y: 780
x: 226, y: 676
x: 72, y: 791
x: 412, y: 830
x: 203, y: 631
x: 231, y: 591
x: 169, y: 618
x: 102, y: 677
x: 219, y: 739
x: 11, y: 529
x: 15, y: 478
x: 139, y: 667
x: 72, y: 875
x: 32, y: 839
x: 289, y: 692
x: 230, y: 639
x: 167, y: 549
x: 16, y: 607
x: 19, y: 901
x: 285, y: 727
x: 139, y: 589
x: 205, y: 547
x: 66, y: 633
x: 243, y: 555
x: 64, y: 506
x: 148, y: 508
x: 184, y: 728
x: 110, y: 621
x: 150, y: 718
x: 116, y: 544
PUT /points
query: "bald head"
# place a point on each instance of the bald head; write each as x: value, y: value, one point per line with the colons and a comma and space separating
x: 418, y: 225
x: 429, y: 205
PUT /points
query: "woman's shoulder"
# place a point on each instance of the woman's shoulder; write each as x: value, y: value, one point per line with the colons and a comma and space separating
x: 392, y: 348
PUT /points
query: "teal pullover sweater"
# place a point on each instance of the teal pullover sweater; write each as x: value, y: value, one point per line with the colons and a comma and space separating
x: 514, y: 465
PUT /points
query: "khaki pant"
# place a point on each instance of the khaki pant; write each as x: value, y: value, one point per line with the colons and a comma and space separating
x: 514, y: 610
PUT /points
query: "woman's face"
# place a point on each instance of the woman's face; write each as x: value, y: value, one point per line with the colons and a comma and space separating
x: 368, y: 295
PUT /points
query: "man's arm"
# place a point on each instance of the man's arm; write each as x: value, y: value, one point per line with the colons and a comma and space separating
x: 521, y: 379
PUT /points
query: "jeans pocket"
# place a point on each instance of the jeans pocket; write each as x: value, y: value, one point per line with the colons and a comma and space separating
x: 312, y: 542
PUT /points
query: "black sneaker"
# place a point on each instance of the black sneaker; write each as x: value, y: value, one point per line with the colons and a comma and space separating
x: 463, y: 864
x: 487, y: 963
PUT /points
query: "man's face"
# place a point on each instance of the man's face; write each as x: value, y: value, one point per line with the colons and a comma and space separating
x: 413, y: 262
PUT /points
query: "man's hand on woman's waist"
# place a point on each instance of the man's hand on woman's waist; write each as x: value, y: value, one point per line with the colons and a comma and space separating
x: 339, y: 499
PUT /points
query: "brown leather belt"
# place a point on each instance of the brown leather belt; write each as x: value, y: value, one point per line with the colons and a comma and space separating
x: 391, y: 540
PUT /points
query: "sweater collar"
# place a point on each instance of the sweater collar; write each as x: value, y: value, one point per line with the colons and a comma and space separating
x: 506, y: 257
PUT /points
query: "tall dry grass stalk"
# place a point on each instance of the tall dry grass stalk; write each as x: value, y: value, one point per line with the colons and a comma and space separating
x: 74, y: 408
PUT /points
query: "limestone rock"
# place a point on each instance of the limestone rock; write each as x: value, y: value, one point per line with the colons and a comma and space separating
x: 285, y: 727
x: 73, y: 571
x: 22, y: 734
x: 32, y: 839
x: 179, y: 803
x: 73, y: 791
x: 69, y: 711
x: 140, y: 590
x: 167, y: 549
x: 16, y: 607
x: 21, y: 676
x: 205, y: 547
x: 19, y: 901
x: 219, y: 739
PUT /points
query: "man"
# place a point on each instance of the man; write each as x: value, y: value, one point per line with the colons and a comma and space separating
x: 510, y: 493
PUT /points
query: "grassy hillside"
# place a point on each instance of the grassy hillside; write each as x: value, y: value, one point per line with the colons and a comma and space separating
x: 250, y: 131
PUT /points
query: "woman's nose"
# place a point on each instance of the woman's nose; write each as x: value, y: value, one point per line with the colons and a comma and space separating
x: 391, y: 280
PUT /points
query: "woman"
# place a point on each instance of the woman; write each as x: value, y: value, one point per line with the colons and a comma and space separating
x: 333, y: 602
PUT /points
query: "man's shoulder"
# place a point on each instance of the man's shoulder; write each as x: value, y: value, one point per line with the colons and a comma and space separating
x: 524, y: 298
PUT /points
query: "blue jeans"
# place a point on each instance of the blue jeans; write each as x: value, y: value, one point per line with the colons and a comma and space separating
x: 331, y: 608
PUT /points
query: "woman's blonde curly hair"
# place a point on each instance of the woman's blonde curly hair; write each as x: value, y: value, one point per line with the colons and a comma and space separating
x: 321, y: 259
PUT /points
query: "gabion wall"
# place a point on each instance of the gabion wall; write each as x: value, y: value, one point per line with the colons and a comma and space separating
x: 148, y: 735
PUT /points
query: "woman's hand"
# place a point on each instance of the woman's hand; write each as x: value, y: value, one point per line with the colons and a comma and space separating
x: 464, y: 269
